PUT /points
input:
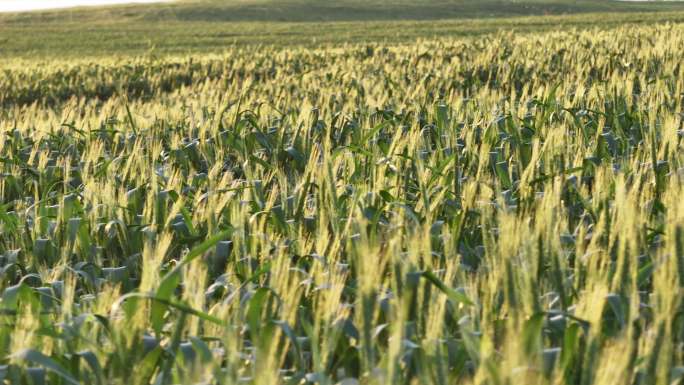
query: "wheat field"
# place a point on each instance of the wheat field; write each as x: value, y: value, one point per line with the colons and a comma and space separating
x: 502, y: 209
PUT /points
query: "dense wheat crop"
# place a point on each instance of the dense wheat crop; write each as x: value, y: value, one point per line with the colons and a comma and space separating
x: 499, y: 210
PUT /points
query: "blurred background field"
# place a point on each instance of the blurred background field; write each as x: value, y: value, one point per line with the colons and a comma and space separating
x: 198, y: 26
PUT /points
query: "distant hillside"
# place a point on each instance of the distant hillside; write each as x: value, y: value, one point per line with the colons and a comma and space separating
x: 211, y: 25
x: 337, y: 10
x: 350, y: 10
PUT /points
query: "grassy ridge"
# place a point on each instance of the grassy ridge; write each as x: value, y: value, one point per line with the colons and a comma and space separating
x: 494, y: 210
x: 341, y: 10
x: 211, y: 26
